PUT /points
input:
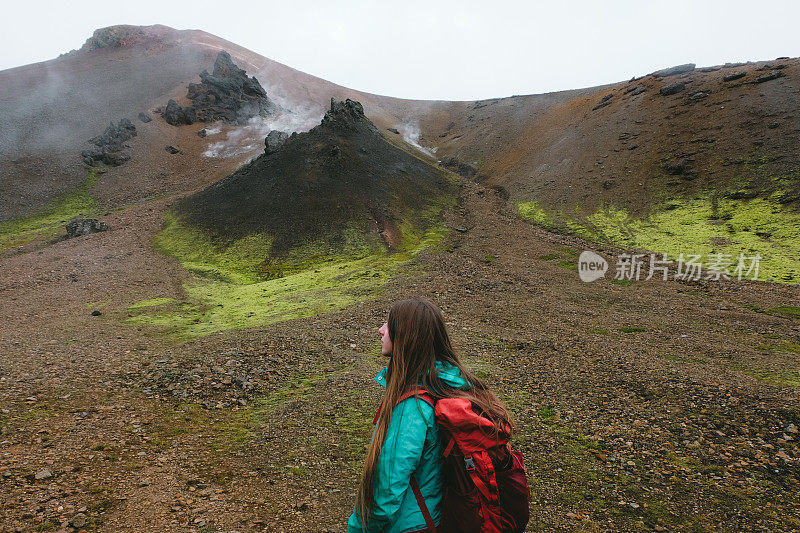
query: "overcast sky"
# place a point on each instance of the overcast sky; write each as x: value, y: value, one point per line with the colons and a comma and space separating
x: 440, y: 49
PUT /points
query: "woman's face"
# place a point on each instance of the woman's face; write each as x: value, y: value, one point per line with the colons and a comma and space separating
x: 386, y: 342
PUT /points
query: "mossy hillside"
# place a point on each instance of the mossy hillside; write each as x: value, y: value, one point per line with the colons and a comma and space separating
x: 48, y: 222
x: 701, y: 225
x: 338, y: 189
x: 325, y: 283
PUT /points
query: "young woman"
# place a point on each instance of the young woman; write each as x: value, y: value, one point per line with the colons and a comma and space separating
x: 405, y: 442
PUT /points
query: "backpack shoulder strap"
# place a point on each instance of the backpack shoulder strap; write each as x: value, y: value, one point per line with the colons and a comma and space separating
x: 423, y: 393
x: 422, y: 506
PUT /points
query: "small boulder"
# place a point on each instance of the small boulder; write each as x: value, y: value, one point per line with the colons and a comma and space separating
x: 734, y: 76
x: 177, y: 115
x: 107, y: 147
x: 44, y: 474
x: 274, y: 140
x: 84, y: 226
x: 144, y: 117
x: 677, y: 166
x: 772, y: 75
x: 78, y: 521
x: 672, y: 88
x: 171, y: 149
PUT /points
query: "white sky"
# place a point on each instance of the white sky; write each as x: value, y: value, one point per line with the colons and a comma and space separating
x: 439, y: 49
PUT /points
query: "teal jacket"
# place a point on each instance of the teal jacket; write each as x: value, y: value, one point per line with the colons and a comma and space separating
x: 411, y: 447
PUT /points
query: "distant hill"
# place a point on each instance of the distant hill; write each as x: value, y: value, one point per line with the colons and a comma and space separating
x: 712, y: 142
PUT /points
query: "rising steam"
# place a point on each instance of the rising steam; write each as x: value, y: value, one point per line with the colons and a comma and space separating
x: 250, y: 137
x: 411, y: 133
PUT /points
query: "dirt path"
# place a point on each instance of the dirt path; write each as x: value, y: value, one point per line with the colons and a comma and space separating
x: 665, y: 427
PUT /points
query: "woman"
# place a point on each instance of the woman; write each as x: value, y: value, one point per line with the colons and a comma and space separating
x: 406, y: 439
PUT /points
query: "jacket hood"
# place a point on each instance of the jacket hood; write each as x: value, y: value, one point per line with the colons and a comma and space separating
x: 448, y: 373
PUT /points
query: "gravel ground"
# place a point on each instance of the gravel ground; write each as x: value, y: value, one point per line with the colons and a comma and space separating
x: 681, y: 424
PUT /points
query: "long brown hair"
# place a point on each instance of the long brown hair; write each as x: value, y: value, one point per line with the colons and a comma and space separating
x: 419, y: 339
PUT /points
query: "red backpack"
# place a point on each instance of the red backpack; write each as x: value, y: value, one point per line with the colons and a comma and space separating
x: 485, y: 482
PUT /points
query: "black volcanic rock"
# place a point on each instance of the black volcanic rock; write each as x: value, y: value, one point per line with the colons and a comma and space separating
x: 461, y: 168
x: 338, y: 182
x: 108, y: 147
x: 84, y: 226
x: 227, y: 94
x: 772, y: 75
x: 672, y: 88
x: 734, y: 76
x: 275, y: 139
x: 177, y: 115
x: 347, y: 115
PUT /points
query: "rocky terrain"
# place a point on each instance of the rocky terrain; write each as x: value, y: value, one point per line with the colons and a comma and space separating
x: 198, y: 355
x: 227, y: 94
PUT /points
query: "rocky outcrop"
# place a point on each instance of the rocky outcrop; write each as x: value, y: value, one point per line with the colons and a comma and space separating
x: 275, y: 139
x: 227, y: 94
x: 672, y: 88
x: 772, y: 75
x: 734, y: 76
x: 177, y: 115
x: 606, y: 100
x: 84, y: 226
x: 674, y: 71
x: 108, y: 147
x: 461, y: 168
x: 115, y: 36
x: 347, y: 115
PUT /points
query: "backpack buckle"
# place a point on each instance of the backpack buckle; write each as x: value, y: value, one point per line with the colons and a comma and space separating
x: 469, y: 463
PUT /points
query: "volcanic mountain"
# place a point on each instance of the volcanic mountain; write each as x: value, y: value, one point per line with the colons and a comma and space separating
x: 339, y: 188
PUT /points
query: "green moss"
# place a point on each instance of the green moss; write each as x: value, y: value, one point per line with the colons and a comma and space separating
x: 46, y: 525
x: 569, y: 265
x: 534, y: 212
x: 789, y: 378
x: 213, y: 306
x: 48, y: 222
x: 153, y: 302
x: 235, y: 262
x: 622, y: 282
x: 100, y: 304
x: 238, y: 284
x: 787, y: 310
x: 632, y: 329
x: 545, y: 413
x: 490, y: 258
x: 707, y: 226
